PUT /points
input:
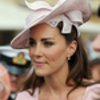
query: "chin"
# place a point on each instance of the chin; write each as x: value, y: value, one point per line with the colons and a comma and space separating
x: 41, y: 73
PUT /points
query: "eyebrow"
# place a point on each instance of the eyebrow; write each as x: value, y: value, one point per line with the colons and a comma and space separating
x: 31, y: 39
x: 44, y: 39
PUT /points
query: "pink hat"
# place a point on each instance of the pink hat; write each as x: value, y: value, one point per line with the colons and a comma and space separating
x: 4, y: 83
x: 96, y: 43
x: 71, y: 12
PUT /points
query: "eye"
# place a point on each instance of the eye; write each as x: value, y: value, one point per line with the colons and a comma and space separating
x: 47, y: 44
x: 32, y: 42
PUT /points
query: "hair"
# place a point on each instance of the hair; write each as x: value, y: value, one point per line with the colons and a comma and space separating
x: 78, y: 65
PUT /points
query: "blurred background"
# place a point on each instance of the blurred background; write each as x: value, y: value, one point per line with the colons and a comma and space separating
x: 14, y: 12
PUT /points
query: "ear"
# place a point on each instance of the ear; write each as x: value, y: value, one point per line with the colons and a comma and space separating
x: 72, y: 48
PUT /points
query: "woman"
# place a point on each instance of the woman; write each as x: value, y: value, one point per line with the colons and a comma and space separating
x: 59, y: 59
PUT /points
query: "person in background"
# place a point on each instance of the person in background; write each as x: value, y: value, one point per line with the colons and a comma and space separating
x: 96, y: 43
x: 5, y: 86
x: 18, y: 64
x: 60, y: 62
x: 95, y: 69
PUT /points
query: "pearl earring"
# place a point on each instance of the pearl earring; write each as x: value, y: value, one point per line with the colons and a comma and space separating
x: 69, y: 58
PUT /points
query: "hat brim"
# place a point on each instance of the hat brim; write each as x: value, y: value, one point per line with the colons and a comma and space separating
x: 21, y: 40
x: 96, y: 43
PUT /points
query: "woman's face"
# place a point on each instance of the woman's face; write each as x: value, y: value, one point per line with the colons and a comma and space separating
x: 48, y: 50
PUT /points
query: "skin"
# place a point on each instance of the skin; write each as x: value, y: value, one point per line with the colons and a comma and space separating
x: 96, y: 43
x: 5, y: 85
x: 49, y: 53
x: 96, y: 72
x: 16, y: 82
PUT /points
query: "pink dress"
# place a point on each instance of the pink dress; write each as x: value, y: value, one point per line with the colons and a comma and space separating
x: 89, y: 94
x: 26, y: 96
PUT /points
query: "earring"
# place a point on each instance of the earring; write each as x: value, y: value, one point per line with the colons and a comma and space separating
x: 69, y: 58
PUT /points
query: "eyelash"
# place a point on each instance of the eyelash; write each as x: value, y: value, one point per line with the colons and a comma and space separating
x: 46, y: 43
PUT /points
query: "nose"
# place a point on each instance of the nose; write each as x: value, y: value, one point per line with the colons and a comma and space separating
x: 35, y: 51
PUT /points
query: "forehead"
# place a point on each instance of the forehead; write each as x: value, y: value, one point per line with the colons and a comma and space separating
x: 44, y: 30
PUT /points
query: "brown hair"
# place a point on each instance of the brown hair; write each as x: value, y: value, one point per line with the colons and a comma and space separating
x: 78, y: 64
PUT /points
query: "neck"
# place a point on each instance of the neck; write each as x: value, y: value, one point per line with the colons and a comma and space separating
x: 56, y: 83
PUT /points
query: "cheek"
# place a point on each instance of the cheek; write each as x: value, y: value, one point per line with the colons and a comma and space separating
x: 55, y: 54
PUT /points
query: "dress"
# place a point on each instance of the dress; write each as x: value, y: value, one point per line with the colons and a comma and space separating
x: 89, y: 95
x: 26, y: 96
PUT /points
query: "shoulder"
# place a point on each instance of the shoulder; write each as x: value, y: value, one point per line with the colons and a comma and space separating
x: 93, y: 88
x: 78, y: 93
x: 92, y: 92
x: 25, y: 95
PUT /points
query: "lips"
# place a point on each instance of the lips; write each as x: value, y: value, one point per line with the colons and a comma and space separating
x: 39, y: 64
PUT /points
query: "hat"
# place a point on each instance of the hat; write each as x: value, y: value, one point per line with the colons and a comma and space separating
x: 96, y: 43
x: 71, y: 12
x: 4, y: 83
x: 17, y: 62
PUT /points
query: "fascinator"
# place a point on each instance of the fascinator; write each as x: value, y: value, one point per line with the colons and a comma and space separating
x: 70, y: 12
